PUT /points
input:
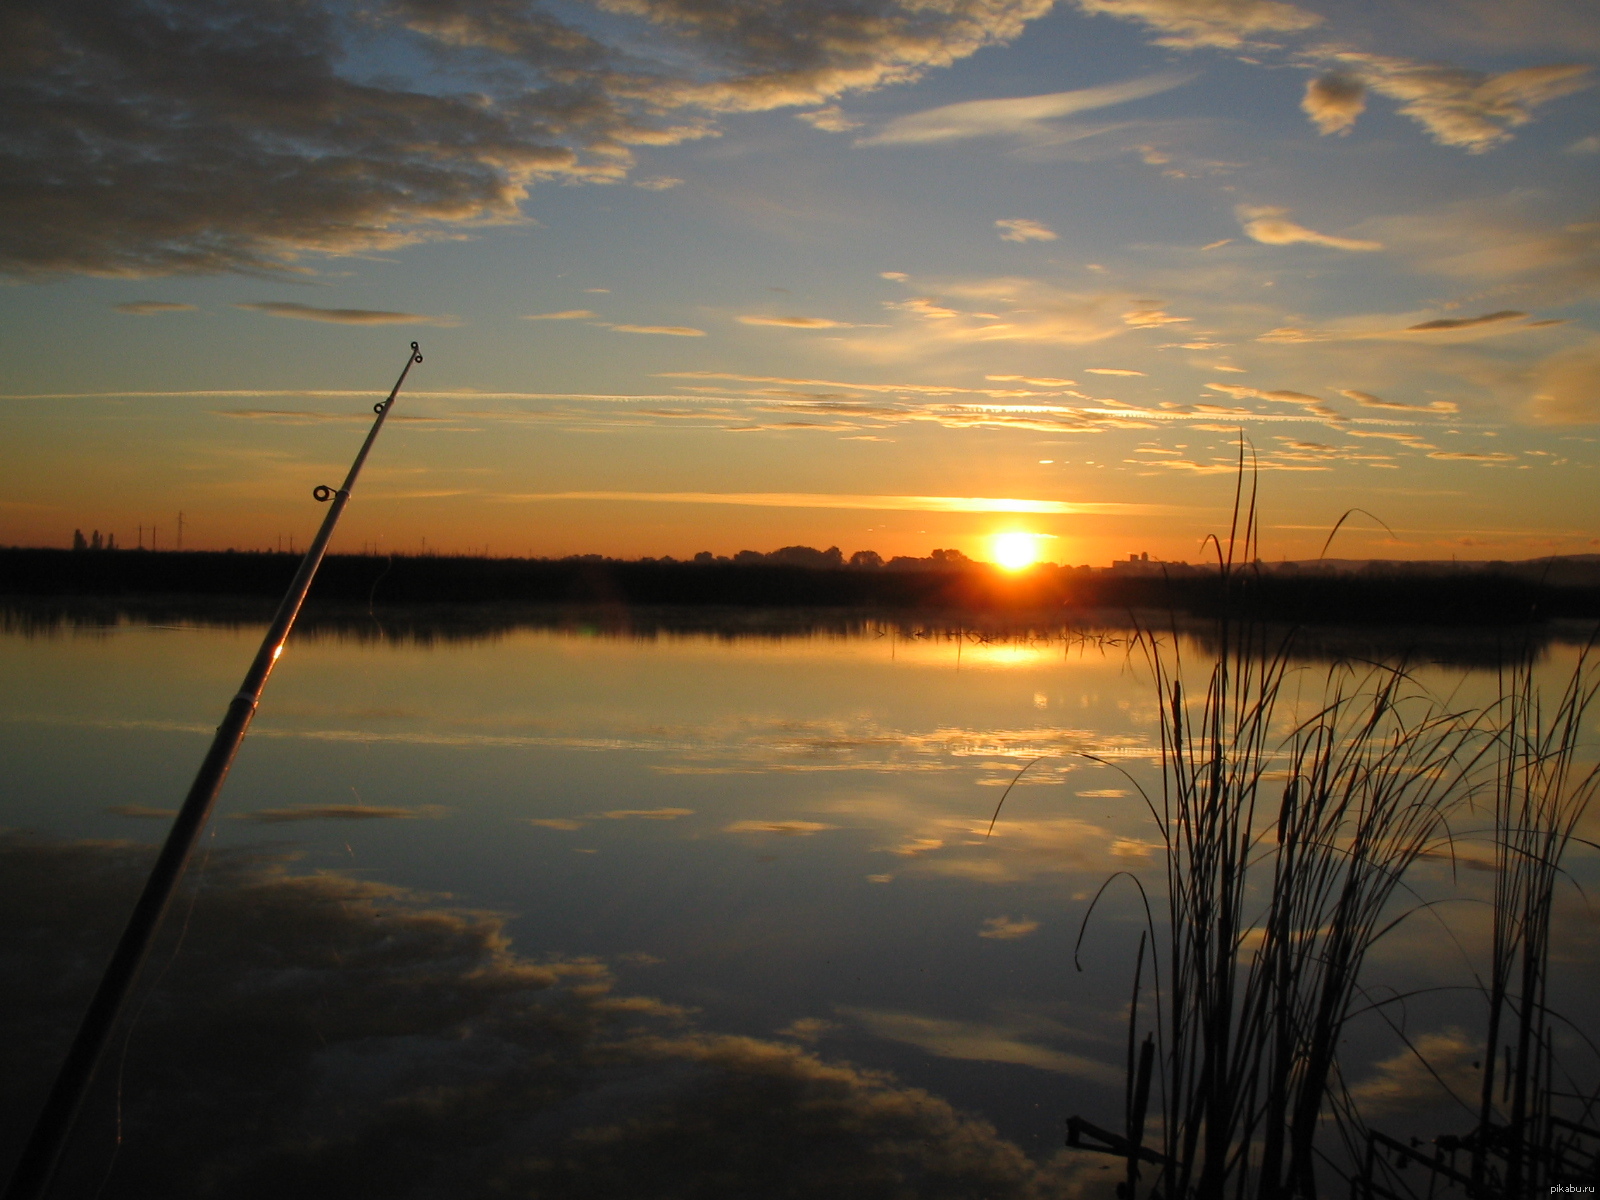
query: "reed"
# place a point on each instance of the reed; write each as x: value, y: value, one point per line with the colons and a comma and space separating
x: 1286, y: 840
x: 1541, y: 794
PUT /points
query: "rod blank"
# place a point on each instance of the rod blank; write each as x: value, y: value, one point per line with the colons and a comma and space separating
x: 37, y: 1167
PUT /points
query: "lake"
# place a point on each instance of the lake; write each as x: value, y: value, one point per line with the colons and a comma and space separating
x: 659, y: 896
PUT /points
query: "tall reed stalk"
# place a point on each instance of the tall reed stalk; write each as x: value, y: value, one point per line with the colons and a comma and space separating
x: 1286, y: 839
x: 1541, y: 794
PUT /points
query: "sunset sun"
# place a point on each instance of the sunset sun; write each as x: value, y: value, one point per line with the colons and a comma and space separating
x: 1014, y: 551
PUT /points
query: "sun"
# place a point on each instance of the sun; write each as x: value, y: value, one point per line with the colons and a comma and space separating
x: 1014, y: 551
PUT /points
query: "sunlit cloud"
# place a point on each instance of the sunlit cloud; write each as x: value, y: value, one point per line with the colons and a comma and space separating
x: 658, y: 183
x: 1368, y: 400
x: 152, y: 308
x: 1006, y: 929
x: 568, y: 314
x: 645, y: 814
x: 830, y: 119
x: 1492, y: 456
x: 1458, y: 107
x: 1020, y: 229
x: 782, y: 828
x: 796, y: 322
x: 1334, y: 101
x: 283, y: 151
x: 1112, y: 371
x: 1271, y: 227
x: 344, y: 316
x: 1020, y: 116
x: 1189, y: 24
x: 974, y: 504
x: 665, y: 330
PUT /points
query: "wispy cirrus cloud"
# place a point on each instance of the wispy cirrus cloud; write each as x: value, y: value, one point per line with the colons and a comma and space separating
x: 1368, y: 400
x: 344, y: 316
x: 567, y: 314
x: 972, y: 504
x: 795, y: 322
x: 663, y: 330
x: 1015, y: 117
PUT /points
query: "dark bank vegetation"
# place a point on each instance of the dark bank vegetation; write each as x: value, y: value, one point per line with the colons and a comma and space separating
x: 1289, y: 827
x: 945, y: 582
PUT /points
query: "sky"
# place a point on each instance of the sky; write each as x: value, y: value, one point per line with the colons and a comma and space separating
x: 883, y: 274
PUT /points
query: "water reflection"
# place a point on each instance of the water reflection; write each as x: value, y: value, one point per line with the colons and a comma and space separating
x: 1017, y: 638
x: 320, y: 1035
x: 783, y: 837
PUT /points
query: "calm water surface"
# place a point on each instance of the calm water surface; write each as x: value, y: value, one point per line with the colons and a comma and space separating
x: 772, y: 848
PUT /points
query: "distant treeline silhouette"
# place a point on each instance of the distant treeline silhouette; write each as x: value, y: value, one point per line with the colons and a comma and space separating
x: 946, y: 581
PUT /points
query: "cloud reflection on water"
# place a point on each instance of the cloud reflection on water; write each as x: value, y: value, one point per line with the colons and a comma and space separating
x: 322, y: 1035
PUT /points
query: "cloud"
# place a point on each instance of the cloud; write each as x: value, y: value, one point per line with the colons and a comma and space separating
x: 1460, y: 107
x: 336, y: 812
x: 1368, y: 400
x: 1270, y: 227
x: 646, y: 814
x: 327, y: 1028
x: 783, y: 828
x: 978, y: 1042
x: 1036, y: 380
x: 796, y: 322
x: 1509, y: 314
x: 1334, y: 101
x: 569, y: 314
x: 1309, y: 402
x: 1500, y: 243
x: 667, y: 330
x: 658, y: 183
x: 1494, y: 456
x: 151, y: 308
x: 300, y: 131
x: 565, y: 824
x: 1567, y: 386
x: 1020, y: 229
x: 1017, y: 117
x: 343, y: 316
x: 1111, y: 371
x: 1005, y: 929
x: 1188, y: 24
x: 830, y: 119
x: 1587, y: 145
x: 1442, y: 1066
x: 142, y: 812
x: 1151, y: 318
x: 975, y: 504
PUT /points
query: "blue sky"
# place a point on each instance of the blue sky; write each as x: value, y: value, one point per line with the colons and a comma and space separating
x: 713, y: 275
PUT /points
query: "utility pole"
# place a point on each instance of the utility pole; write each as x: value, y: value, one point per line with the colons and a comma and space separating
x: 180, y: 530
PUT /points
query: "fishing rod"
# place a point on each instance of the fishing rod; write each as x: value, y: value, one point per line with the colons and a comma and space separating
x: 37, y: 1167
